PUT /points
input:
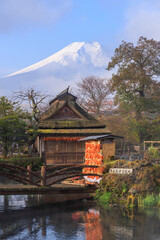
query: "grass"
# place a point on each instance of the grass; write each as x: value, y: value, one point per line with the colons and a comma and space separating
x: 149, y: 201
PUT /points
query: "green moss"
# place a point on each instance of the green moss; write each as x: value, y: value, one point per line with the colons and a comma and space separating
x: 71, y: 131
x: 70, y: 124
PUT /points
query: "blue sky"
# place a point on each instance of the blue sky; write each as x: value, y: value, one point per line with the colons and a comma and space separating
x: 31, y: 30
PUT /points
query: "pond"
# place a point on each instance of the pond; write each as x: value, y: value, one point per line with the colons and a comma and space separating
x: 79, y: 220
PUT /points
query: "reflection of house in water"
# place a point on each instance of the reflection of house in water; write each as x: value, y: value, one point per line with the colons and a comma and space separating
x: 93, y: 228
x: 92, y: 223
x: 60, y: 128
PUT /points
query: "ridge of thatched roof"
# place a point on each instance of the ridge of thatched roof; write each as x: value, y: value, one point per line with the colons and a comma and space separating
x: 63, y: 96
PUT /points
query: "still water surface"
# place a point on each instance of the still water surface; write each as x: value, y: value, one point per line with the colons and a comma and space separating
x: 19, y: 220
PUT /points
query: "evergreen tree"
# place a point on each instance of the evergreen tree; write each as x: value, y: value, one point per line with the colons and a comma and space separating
x: 12, y: 126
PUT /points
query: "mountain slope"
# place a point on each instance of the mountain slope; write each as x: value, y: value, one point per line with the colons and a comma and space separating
x: 61, y: 69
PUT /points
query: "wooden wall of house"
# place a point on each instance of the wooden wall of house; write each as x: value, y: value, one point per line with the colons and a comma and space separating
x: 63, y: 152
x: 108, y: 148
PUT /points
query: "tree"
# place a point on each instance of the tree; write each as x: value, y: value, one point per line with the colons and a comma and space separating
x: 93, y: 95
x: 12, y: 125
x: 35, y: 99
x: 137, y: 90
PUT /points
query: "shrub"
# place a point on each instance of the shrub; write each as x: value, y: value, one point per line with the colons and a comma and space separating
x: 98, y: 193
x: 112, y: 158
x: 105, y: 198
x: 153, y: 153
x: 158, y: 199
x: 150, y: 200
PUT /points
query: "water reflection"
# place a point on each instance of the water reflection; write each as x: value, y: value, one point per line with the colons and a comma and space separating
x: 17, y: 202
x: 74, y: 221
x: 92, y: 223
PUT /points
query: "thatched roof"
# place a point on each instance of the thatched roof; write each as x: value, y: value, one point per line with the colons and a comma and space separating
x: 70, y: 124
x: 65, y: 113
x: 57, y: 105
x: 80, y: 132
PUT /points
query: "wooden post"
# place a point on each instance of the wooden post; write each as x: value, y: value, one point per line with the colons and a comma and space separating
x: 76, y: 152
x: 43, y: 175
x: 40, y: 147
x: 29, y: 168
x: 43, y: 227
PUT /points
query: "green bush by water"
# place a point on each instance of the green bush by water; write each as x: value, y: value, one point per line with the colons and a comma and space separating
x: 105, y: 198
x: 98, y: 193
x: 149, y: 201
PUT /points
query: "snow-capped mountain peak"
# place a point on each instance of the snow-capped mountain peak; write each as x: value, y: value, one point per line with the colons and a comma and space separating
x: 65, y: 67
x: 77, y: 52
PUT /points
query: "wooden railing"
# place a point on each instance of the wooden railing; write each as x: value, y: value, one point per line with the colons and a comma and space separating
x: 19, y: 174
x: 47, y: 176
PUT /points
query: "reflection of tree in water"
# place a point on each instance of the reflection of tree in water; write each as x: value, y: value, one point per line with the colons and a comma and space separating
x: 125, y: 224
x: 147, y: 224
x: 117, y: 224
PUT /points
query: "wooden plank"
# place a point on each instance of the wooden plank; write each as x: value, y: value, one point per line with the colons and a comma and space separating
x: 57, y: 189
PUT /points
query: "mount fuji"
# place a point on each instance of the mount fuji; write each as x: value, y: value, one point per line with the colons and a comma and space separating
x: 65, y: 67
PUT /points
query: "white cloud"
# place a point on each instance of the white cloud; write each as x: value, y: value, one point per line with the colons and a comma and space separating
x: 22, y: 14
x: 143, y: 19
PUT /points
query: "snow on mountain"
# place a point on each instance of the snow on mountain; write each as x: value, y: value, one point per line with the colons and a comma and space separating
x: 61, y: 69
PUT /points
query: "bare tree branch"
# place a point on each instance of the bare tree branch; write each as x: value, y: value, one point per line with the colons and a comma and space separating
x: 35, y: 99
x: 93, y: 94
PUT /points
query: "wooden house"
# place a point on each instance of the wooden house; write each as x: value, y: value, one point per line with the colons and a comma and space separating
x: 60, y: 128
